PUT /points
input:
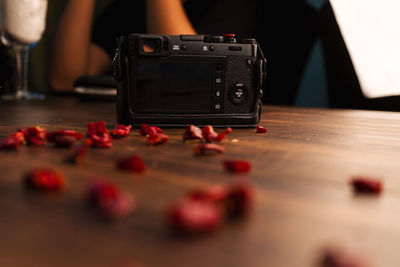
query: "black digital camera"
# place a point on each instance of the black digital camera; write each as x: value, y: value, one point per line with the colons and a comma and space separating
x: 176, y: 80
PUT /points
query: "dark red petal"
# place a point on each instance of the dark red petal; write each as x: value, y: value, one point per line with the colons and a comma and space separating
x: 261, y: 129
x: 120, y: 131
x: 208, y: 149
x: 209, y: 134
x: 367, y: 185
x: 132, y: 163
x: 65, y: 141
x: 215, y: 194
x: 107, y: 199
x: 96, y: 128
x: 100, y: 191
x: 117, y: 208
x: 239, y: 201
x: 12, y: 141
x: 34, y: 136
x: 44, y: 179
x: 237, y: 166
x: 190, y: 216
x: 101, y: 141
x: 192, y: 133
x: 149, y: 130
x: 157, y: 139
x: 78, y: 154
x: 51, y: 136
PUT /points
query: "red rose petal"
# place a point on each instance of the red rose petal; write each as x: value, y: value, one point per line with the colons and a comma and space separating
x: 99, y: 135
x: 109, y: 201
x: 239, y: 201
x: 132, y: 163
x: 65, y: 141
x: 237, y: 166
x: 235, y: 200
x: 12, y: 141
x: 190, y: 216
x: 44, y: 179
x: 78, y: 154
x: 117, y: 208
x: 209, y: 134
x: 157, y: 139
x: 192, y: 133
x: 261, y: 129
x: 214, y: 194
x: 101, y: 141
x: 52, y: 136
x: 367, y: 185
x: 222, y: 135
x: 34, y: 136
x: 208, y: 149
x: 149, y: 130
x: 120, y: 131
x: 95, y: 128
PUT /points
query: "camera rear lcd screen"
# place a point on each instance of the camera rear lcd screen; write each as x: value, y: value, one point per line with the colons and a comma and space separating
x: 166, y: 86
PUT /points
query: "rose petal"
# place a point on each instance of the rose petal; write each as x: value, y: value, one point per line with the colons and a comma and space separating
x: 237, y: 166
x: 132, y: 163
x: 208, y: 149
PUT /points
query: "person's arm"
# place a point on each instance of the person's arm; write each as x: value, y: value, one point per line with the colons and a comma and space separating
x: 73, y: 54
x: 167, y: 17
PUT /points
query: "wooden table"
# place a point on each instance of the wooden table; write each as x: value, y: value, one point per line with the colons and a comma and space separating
x: 301, y: 170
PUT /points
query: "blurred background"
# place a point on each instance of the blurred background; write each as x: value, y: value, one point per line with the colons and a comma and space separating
x: 328, y: 78
x: 37, y: 75
x: 312, y: 90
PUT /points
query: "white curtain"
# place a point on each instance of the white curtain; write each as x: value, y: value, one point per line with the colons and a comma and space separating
x: 371, y: 30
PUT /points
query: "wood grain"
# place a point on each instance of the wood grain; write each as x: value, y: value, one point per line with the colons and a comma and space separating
x: 301, y: 169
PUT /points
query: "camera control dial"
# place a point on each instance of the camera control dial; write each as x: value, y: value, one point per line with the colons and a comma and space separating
x: 238, y: 93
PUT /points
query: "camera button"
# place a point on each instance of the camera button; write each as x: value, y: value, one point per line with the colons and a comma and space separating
x: 218, y: 93
x: 217, y: 106
x: 220, y: 67
x: 238, y: 93
x: 218, y: 80
x: 183, y: 47
x: 211, y: 48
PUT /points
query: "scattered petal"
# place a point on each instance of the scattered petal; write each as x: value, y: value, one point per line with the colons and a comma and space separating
x: 109, y: 201
x: 120, y: 131
x: 209, y: 134
x: 51, y: 137
x: 99, y: 135
x: 208, y: 149
x: 64, y: 141
x: 132, y: 163
x: 78, y: 154
x: 45, y: 179
x: 191, y: 216
x: 192, y: 133
x: 34, y: 136
x: 261, y: 129
x: 12, y: 141
x: 367, y: 185
x: 237, y: 166
x: 157, y: 139
x: 149, y: 130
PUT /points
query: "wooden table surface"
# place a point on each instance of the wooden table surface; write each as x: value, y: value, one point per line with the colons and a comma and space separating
x: 301, y: 170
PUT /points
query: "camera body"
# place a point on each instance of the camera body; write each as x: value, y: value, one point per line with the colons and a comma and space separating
x: 176, y: 80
